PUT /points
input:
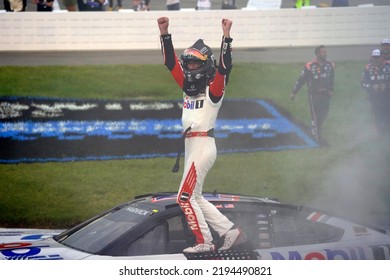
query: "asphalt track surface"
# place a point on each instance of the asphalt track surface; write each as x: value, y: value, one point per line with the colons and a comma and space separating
x: 265, y: 55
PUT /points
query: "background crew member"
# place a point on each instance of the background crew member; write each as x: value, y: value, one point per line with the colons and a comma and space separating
x: 319, y: 76
x: 376, y: 81
x: 385, y: 49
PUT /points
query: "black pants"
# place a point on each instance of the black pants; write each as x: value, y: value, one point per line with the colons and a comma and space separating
x: 319, y: 109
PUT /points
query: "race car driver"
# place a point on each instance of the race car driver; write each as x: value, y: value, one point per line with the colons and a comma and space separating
x: 203, y: 86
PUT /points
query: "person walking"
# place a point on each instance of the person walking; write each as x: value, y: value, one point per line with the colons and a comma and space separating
x: 203, y: 85
x: 319, y: 76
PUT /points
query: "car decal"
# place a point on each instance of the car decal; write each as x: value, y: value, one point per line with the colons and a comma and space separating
x: 379, y: 252
x: 357, y: 253
x: 25, y: 251
x: 318, y: 217
x: 36, y: 236
x: 138, y: 211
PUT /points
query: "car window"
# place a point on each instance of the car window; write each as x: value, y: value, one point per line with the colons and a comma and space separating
x: 151, y: 243
x: 102, y: 231
x: 290, y: 229
x: 278, y: 226
x: 169, y: 237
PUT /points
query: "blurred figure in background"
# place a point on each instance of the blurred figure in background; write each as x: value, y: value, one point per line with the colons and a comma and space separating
x: 319, y: 76
x: 376, y: 81
x: 111, y: 5
x: 91, y: 5
x: 203, y: 5
x: 301, y: 3
x: 173, y: 5
x: 15, y: 5
x: 141, y: 5
x: 70, y: 5
x: 229, y: 5
x: 385, y: 49
x: 44, y: 5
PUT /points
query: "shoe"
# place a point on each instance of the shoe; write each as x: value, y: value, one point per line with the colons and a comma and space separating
x: 233, y: 237
x: 200, y: 248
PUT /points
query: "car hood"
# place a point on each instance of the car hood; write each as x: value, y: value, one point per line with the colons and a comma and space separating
x: 18, y: 245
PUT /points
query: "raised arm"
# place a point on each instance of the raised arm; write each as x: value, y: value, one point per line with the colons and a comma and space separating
x: 168, y: 52
x: 217, y: 86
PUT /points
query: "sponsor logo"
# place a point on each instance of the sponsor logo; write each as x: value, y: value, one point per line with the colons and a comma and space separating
x: 137, y: 211
x: 25, y: 251
x: 190, y: 215
x: 193, y: 104
x: 326, y: 254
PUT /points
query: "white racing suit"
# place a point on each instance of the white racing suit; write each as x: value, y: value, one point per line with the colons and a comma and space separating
x: 200, y: 113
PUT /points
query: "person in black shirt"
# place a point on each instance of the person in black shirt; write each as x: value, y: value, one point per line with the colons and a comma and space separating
x: 376, y: 81
x: 44, y: 5
x: 385, y: 48
x: 319, y: 76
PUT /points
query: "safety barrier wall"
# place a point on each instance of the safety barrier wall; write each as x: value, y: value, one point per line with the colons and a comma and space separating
x: 32, y: 31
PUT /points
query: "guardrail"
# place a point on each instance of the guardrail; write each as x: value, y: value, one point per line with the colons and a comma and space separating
x: 128, y: 30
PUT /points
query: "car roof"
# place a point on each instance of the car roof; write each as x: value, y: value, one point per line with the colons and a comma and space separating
x: 168, y: 199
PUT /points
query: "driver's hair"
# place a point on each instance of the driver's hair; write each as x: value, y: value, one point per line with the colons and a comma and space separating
x: 317, y: 49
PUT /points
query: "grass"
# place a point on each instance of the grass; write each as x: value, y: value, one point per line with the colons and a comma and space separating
x: 349, y: 177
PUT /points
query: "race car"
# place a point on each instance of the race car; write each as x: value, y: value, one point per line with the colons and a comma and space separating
x: 153, y: 226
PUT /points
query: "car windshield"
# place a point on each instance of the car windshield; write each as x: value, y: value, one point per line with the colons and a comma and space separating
x: 100, y: 232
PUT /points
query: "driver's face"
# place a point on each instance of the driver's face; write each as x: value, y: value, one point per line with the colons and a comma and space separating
x: 322, y: 54
x: 193, y: 65
x: 385, y: 49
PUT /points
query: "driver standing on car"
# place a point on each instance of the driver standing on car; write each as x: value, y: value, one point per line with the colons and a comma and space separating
x: 203, y: 90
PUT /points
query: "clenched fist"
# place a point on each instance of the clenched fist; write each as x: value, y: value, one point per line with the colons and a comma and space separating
x: 163, y: 24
